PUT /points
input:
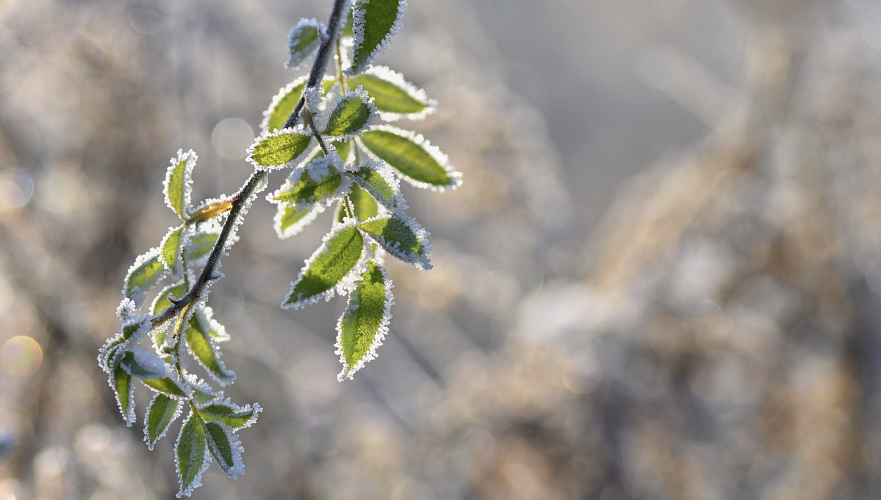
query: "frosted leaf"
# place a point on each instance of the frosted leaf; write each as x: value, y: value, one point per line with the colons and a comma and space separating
x: 205, y: 316
x: 364, y: 323
x: 319, y: 183
x: 163, y: 298
x: 285, y: 101
x: 161, y: 413
x: 290, y: 221
x: 233, y: 416
x: 126, y: 309
x: 121, y: 383
x: 202, y: 241
x: 210, y: 209
x: 283, y: 148
x: 420, y: 163
x: 143, y: 364
x: 351, y: 115
x: 393, y: 96
x: 191, y: 455
x: 303, y: 42
x: 178, y: 185
x: 375, y: 23
x: 143, y: 275
x: 225, y: 448
x: 401, y: 237
x: 171, y: 250
x: 346, y: 30
x: 362, y: 205
x: 203, y: 393
x: 332, y: 268
x: 380, y: 182
x: 203, y: 348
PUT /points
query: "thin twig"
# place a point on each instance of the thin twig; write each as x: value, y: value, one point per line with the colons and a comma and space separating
x: 238, y: 202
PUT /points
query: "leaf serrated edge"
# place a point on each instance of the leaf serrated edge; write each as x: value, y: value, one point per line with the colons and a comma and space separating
x: 285, y: 131
x: 348, y: 372
x: 276, y: 101
x: 190, y: 157
x: 435, y: 152
x: 290, y: 64
x: 298, y: 226
x: 177, y: 412
x: 137, y: 295
x: 396, y: 204
x: 238, y: 465
x: 418, y: 260
x: 345, y: 284
x: 358, y: 39
x: 206, y: 459
x: 397, y: 79
x: 314, y: 170
x: 365, y: 98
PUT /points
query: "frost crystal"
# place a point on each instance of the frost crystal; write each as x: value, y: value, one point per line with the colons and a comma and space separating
x: 352, y: 308
x: 303, y: 41
x: 417, y: 94
x: 362, y: 59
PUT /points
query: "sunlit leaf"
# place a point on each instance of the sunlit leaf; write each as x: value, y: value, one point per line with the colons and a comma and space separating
x: 121, y: 382
x: 393, y: 96
x: 328, y: 267
x: 191, y: 454
x: 144, y: 274
x: 375, y: 23
x: 320, y: 182
x: 290, y: 221
x: 364, y: 206
x: 351, y: 114
x: 161, y: 412
x: 167, y: 386
x: 422, y: 164
x: 200, y: 244
x: 143, y: 364
x: 226, y: 450
x: 203, y: 349
x: 171, y: 254
x: 379, y: 181
x: 178, y: 184
x: 233, y: 416
x: 364, y: 323
x: 279, y: 149
x: 401, y: 237
x: 303, y: 42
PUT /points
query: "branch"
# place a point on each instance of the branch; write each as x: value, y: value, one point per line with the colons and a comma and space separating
x: 324, y: 52
x: 238, y: 202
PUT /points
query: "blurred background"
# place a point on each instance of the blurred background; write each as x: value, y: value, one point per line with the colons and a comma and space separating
x: 660, y: 279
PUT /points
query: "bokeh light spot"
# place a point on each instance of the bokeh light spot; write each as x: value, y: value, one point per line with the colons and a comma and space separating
x: 232, y: 137
x: 21, y: 356
x: 16, y: 189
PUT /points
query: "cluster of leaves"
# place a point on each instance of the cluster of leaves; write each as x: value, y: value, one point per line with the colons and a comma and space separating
x: 340, y: 156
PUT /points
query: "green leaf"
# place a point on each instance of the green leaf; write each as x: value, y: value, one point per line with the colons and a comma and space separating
x: 415, y: 158
x: 320, y: 182
x: 364, y: 323
x: 280, y: 149
x: 142, y: 364
x: 203, y: 349
x: 144, y: 274
x: 379, y: 181
x: 225, y: 449
x: 351, y: 115
x: 400, y: 236
x: 303, y: 42
x: 289, y: 220
x: 178, y: 182
x: 161, y: 412
x: 166, y: 385
x: 199, y: 245
x: 202, y: 392
x: 364, y: 205
x: 234, y: 417
x: 393, y: 96
x: 191, y: 453
x: 162, y: 302
x: 375, y: 23
x: 171, y: 254
x: 343, y: 148
x: 327, y: 268
x: 285, y: 101
x: 121, y: 382
x: 347, y: 24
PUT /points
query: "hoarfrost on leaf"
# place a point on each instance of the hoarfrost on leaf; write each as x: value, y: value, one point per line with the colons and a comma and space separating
x: 393, y: 96
x: 161, y: 413
x: 283, y: 148
x: 303, y: 42
x: 191, y: 455
x: 364, y: 324
x: 351, y: 115
x: 378, y: 179
x: 376, y: 22
x: 420, y: 163
x: 178, y: 185
x: 402, y: 237
x: 233, y: 416
x: 225, y: 448
x: 143, y: 275
x: 332, y: 268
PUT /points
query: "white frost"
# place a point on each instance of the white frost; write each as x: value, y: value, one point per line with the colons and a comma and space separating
x: 397, y: 79
x: 358, y: 31
x: 434, y: 151
x: 190, y: 157
x: 348, y: 371
x: 266, y: 134
x: 300, y: 55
